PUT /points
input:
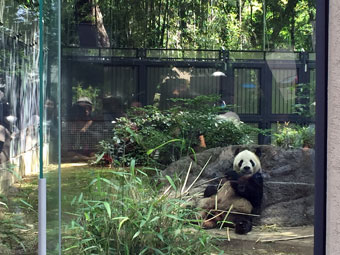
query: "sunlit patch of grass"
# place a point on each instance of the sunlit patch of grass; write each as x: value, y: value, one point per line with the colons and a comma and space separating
x: 122, y: 211
x: 112, y: 210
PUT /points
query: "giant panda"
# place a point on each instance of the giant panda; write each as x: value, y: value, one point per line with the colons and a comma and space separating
x: 242, y: 189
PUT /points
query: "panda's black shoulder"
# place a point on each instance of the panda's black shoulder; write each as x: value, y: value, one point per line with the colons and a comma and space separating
x: 250, y: 187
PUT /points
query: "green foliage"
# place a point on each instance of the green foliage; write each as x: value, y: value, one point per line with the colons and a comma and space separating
x: 200, y: 24
x: 294, y: 136
x: 306, y: 100
x: 12, y: 224
x: 32, y: 4
x: 10, y: 231
x: 12, y: 227
x: 89, y: 92
x: 153, y: 136
x: 126, y: 213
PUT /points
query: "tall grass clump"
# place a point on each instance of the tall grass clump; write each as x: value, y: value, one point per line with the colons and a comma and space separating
x: 129, y: 214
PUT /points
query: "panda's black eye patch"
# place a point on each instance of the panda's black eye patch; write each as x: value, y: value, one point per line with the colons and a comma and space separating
x: 252, y: 163
x: 240, y: 163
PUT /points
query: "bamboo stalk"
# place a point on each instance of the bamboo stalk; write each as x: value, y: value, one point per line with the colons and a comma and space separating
x: 214, y: 216
x: 166, y: 191
x: 231, y: 207
x: 228, y: 234
x: 186, y: 178
x: 198, y: 176
x: 286, y: 239
x: 240, y: 213
x: 213, y: 179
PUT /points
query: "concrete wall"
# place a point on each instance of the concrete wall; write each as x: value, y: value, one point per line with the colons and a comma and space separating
x: 23, y: 165
x: 333, y: 140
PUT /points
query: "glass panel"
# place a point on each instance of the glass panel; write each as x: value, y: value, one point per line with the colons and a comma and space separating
x: 235, y: 55
x: 162, y: 107
x: 282, y: 56
x: 283, y: 90
x: 157, y: 98
x: 50, y: 104
x: 19, y: 127
x: 247, y: 90
x: 311, y: 93
x: 172, y: 82
x: 183, y: 54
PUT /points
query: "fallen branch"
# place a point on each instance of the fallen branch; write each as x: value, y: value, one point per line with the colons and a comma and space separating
x: 285, y: 239
x: 239, y: 213
x: 213, y: 179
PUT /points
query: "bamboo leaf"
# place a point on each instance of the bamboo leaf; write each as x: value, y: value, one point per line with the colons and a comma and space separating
x: 163, y: 144
x: 1, y: 203
x: 108, y: 209
x: 136, y: 235
x: 171, y: 182
x: 122, y: 220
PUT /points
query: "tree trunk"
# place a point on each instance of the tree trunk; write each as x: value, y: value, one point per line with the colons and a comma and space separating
x: 103, y: 38
x: 165, y: 22
x: 283, y: 19
x: 91, y: 29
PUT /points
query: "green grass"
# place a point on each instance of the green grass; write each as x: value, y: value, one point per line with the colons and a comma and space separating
x: 18, y: 218
x: 106, y: 211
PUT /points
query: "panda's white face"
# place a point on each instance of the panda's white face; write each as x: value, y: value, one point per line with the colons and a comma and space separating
x: 246, y: 162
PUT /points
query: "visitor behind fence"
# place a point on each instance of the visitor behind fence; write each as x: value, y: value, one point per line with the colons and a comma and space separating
x: 79, y: 126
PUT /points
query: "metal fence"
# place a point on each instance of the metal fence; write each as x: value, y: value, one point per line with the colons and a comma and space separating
x: 264, y: 87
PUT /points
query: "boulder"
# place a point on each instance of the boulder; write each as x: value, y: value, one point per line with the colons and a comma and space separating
x: 288, y: 198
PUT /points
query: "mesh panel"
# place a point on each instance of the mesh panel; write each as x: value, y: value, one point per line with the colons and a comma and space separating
x: 74, y: 140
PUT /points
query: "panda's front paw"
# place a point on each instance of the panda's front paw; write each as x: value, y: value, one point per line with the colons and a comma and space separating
x: 232, y: 175
x: 242, y: 227
x: 210, y: 190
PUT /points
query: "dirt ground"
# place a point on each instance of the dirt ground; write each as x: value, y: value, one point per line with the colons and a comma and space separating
x: 271, y: 240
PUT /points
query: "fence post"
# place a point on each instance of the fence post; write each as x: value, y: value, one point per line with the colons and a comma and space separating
x: 265, y: 101
x: 228, y: 82
x: 142, y: 77
x: 303, y: 88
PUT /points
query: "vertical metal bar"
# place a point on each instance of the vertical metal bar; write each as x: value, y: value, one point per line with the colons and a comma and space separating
x: 322, y: 8
x: 257, y: 90
x: 236, y: 92
x: 229, y: 83
x: 142, y: 83
x: 59, y: 124
x: 42, y: 181
x: 240, y: 96
x: 42, y: 216
x: 246, y: 90
x: 41, y: 86
x: 265, y: 105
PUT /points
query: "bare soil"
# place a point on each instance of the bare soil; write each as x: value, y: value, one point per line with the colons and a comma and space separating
x: 271, y: 240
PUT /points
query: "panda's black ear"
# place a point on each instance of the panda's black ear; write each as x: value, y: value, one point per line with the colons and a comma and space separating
x: 237, y: 151
x: 258, y: 152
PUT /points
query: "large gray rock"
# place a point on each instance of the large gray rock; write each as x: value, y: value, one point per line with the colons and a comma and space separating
x: 288, y: 180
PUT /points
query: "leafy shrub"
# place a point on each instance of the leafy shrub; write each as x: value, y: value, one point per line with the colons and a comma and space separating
x: 146, y: 128
x: 127, y: 214
x: 294, y: 136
